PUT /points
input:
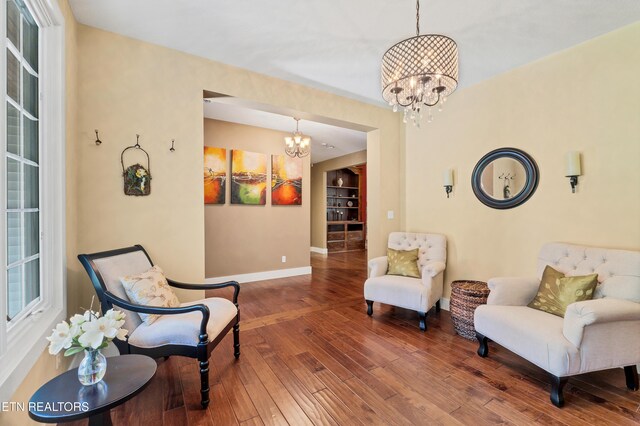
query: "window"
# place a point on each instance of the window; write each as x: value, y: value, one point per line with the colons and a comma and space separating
x: 32, y: 139
x: 21, y: 164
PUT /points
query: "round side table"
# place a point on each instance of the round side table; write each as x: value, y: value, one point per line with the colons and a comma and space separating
x: 64, y: 399
x: 466, y: 296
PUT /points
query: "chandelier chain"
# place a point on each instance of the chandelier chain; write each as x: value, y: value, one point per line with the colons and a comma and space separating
x: 417, y: 17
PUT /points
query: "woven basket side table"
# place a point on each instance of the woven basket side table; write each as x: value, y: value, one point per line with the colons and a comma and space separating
x: 466, y: 296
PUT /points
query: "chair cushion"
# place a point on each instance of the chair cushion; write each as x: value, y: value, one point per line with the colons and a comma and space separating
x: 532, y: 334
x: 405, y: 292
x: 150, y: 288
x: 556, y: 291
x: 183, y: 329
x: 112, y: 268
x: 403, y: 262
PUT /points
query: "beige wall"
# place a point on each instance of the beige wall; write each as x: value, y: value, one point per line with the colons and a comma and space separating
x: 585, y: 99
x: 129, y: 87
x: 319, y: 193
x: 45, y: 367
x: 240, y: 239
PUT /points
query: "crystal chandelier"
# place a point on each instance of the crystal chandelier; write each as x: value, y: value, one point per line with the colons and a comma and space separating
x: 297, y: 145
x: 419, y: 73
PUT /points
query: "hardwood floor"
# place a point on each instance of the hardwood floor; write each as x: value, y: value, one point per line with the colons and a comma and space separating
x: 311, y: 355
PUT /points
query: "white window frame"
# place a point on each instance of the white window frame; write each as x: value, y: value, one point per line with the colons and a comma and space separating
x: 23, y: 341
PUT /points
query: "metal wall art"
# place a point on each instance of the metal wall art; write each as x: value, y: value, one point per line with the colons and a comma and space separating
x: 137, y: 178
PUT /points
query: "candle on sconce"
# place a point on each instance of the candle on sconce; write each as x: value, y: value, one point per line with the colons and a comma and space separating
x: 573, y: 169
x: 447, y: 177
x: 447, y: 181
x: 572, y: 162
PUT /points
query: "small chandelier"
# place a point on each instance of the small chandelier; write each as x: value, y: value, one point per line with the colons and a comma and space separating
x: 419, y: 72
x: 297, y: 145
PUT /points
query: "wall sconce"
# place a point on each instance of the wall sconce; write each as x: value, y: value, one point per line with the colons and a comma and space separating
x: 573, y: 169
x: 98, y: 141
x: 172, y: 149
x: 447, y: 181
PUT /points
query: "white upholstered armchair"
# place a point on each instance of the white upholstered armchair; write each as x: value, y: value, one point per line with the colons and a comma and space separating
x: 417, y: 294
x: 594, y: 335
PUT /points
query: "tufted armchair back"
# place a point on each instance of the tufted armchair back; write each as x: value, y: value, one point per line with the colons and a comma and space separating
x: 618, y: 270
x: 433, y: 247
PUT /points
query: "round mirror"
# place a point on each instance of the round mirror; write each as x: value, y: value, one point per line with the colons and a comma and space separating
x: 505, y: 178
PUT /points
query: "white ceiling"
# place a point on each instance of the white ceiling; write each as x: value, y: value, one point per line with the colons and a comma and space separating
x: 344, y: 141
x: 337, y: 45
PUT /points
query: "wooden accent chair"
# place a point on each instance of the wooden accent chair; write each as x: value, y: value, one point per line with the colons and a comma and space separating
x: 417, y: 294
x: 194, y: 329
x: 594, y: 335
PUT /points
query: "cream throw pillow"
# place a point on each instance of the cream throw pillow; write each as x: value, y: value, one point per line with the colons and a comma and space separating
x: 150, y: 289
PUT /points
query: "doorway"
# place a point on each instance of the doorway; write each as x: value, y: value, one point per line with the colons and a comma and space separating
x: 346, y: 209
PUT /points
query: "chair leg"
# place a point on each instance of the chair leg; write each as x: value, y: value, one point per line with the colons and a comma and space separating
x: 631, y: 374
x: 423, y: 320
x: 369, y: 307
x: 483, y: 349
x: 236, y: 341
x: 204, y: 383
x: 557, y: 383
x: 438, y: 306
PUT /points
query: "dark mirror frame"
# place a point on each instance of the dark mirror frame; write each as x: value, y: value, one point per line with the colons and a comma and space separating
x: 530, y: 185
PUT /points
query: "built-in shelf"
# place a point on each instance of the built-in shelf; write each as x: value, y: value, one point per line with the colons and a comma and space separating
x: 343, y: 187
x: 345, y: 228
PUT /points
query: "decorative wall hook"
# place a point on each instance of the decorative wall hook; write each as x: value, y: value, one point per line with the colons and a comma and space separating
x: 172, y: 149
x: 98, y: 141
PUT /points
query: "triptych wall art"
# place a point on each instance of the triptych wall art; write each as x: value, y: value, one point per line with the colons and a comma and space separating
x: 215, y: 175
x: 286, y: 180
x: 249, y: 178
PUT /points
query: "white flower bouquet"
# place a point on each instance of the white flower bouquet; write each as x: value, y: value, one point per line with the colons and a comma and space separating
x: 89, y: 331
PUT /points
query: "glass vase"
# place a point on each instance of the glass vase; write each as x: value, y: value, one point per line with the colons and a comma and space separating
x: 92, y: 367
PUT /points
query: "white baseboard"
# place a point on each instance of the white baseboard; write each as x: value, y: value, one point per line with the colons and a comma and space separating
x: 261, y: 276
x: 444, y: 304
x: 319, y: 250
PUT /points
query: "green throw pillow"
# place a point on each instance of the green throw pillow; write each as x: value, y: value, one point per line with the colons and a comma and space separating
x: 403, y: 262
x: 556, y: 291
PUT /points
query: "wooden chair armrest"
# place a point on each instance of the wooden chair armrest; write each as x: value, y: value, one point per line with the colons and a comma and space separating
x: 185, y: 286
